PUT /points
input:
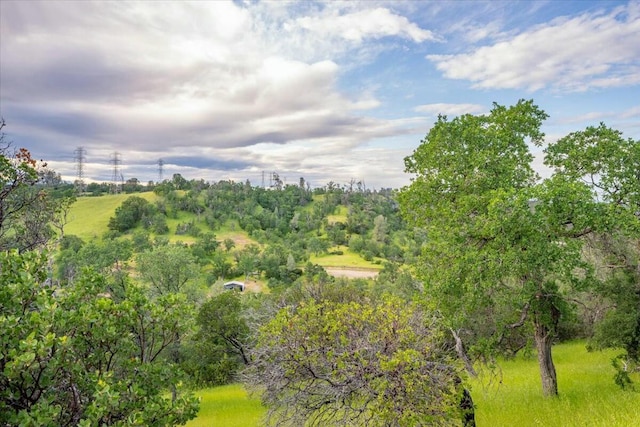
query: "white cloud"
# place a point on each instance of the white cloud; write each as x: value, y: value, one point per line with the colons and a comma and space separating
x: 631, y: 113
x: 487, y: 31
x: 360, y: 25
x: 585, y: 52
x: 450, y: 109
x: 217, y: 90
x: 595, y: 117
x: 226, y: 90
x: 182, y: 75
x: 591, y: 117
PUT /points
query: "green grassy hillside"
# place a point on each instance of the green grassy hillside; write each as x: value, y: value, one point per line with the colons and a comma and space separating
x: 89, y: 219
x: 89, y: 216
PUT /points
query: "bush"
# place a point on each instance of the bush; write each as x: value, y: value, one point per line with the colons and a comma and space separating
x: 129, y: 214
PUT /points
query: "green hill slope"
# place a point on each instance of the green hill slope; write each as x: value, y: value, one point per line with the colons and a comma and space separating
x: 89, y: 216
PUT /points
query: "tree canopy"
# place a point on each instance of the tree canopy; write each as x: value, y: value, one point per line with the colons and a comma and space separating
x: 504, y: 249
x: 74, y: 356
x: 29, y: 214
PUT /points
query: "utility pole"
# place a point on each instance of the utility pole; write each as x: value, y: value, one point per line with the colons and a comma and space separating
x: 79, y: 156
x: 115, y: 162
x: 160, y: 165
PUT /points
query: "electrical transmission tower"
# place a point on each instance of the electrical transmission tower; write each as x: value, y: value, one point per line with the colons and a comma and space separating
x: 160, y: 165
x: 79, y: 156
x: 115, y: 178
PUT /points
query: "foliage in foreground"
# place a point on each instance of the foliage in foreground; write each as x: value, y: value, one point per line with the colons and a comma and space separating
x: 375, y: 363
x: 76, y: 356
x: 219, y: 348
x: 30, y: 214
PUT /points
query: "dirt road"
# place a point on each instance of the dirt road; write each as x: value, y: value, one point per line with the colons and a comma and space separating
x: 352, y: 273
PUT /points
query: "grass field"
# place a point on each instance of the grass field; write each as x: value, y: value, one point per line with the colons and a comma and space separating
x: 227, y: 406
x: 339, y: 216
x: 89, y: 216
x: 348, y: 259
x: 588, y: 396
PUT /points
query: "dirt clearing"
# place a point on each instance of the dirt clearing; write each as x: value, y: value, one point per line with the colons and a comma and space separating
x: 352, y: 273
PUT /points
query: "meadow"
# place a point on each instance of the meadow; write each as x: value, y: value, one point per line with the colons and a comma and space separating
x: 510, y: 396
x: 89, y: 216
x: 228, y: 406
x: 587, y: 394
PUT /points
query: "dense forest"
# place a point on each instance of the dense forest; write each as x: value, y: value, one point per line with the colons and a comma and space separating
x: 477, y: 258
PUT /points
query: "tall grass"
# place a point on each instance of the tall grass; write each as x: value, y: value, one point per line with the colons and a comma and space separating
x: 587, y: 393
x: 227, y: 406
x: 588, y: 397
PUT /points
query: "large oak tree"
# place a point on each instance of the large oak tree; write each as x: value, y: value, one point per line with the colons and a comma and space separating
x: 503, y: 248
x: 609, y: 165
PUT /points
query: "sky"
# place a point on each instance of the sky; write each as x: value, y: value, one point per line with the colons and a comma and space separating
x: 337, y: 91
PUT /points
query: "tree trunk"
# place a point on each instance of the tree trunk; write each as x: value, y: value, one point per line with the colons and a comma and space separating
x: 544, y: 338
x: 462, y: 354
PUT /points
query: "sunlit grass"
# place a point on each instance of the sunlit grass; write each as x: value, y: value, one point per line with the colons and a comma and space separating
x: 228, y: 406
x: 89, y: 216
x: 587, y: 393
x: 348, y: 259
x: 232, y: 230
x: 588, y: 396
x: 340, y: 215
x: 183, y: 217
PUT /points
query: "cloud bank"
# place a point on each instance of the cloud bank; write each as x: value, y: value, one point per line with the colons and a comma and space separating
x: 324, y: 90
x: 589, y: 51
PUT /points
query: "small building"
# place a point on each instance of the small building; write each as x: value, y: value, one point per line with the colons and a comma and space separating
x: 234, y: 285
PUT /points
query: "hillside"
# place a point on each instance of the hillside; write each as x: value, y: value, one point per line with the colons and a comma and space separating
x: 336, y: 230
x: 89, y: 216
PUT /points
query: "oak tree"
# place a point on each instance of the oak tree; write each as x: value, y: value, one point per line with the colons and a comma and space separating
x: 29, y: 214
x: 502, y: 248
x: 609, y: 165
x: 169, y: 269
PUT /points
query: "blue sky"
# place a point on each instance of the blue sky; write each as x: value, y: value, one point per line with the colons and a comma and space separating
x: 328, y: 91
